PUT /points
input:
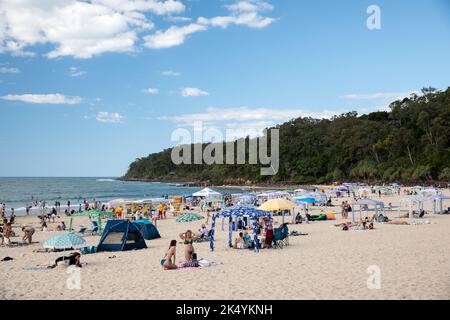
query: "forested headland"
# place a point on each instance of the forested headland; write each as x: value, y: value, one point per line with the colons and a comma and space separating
x: 410, y: 143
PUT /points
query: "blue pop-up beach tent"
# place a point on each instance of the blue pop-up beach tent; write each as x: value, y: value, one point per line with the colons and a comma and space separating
x: 121, y: 235
x: 148, y: 229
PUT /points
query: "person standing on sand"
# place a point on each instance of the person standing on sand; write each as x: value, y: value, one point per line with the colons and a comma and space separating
x: 269, y: 234
x: 6, y: 234
x: 12, y: 217
x: 119, y: 212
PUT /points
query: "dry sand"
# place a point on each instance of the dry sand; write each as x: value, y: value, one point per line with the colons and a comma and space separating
x: 414, y: 263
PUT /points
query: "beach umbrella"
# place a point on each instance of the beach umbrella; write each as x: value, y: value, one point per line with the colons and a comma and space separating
x: 277, y: 204
x: 188, y: 217
x: 65, y: 241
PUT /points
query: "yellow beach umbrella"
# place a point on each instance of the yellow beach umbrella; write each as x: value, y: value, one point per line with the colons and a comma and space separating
x: 277, y: 204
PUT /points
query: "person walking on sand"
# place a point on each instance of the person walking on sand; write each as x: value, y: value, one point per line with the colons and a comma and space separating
x: 168, y: 262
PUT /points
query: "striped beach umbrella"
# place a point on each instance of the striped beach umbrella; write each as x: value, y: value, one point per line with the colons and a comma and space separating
x: 188, y: 217
x: 65, y: 241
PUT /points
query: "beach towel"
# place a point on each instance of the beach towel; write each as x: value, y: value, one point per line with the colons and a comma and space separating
x: 37, y: 268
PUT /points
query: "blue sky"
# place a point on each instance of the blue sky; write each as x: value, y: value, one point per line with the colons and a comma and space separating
x: 87, y: 87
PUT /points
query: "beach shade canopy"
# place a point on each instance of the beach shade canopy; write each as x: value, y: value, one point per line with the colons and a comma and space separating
x: 188, y: 217
x: 364, y: 205
x: 306, y: 200
x: 119, y: 203
x: 148, y: 229
x: 277, y: 204
x: 300, y: 191
x: 250, y: 212
x: 92, y: 214
x: 246, y: 197
x: 121, y: 235
x: 429, y: 192
x: 207, y: 193
x: 65, y: 241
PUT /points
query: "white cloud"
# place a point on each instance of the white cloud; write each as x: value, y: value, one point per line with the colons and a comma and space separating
x: 54, y: 98
x: 178, y: 19
x: 379, y: 95
x: 242, y: 13
x: 245, y: 114
x: 151, y: 91
x: 83, y: 29
x: 245, y: 13
x: 9, y: 70
x: 245, y: 6
x: 193, y: 92
x: 75, y: 72
x: 170, y: 73
x: 109, y: 117
x: 76, y: 28
x: 174, y: 36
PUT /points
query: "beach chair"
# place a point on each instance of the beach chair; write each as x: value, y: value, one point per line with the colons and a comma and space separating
x: 91, y: 231
x: 278, y: 238
x: 204, y: 238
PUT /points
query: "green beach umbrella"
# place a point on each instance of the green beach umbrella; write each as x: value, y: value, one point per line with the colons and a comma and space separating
x: 189, y: 217
x: 65, y: 241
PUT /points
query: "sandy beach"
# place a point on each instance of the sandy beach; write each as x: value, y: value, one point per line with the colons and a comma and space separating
x: 328, y: 263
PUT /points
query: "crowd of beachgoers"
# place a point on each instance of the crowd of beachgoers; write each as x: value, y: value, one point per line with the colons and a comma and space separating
x: 349, y: 208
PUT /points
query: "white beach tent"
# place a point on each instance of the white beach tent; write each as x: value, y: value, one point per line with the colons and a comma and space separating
x: 439, y: 199
x: 429, y: 192
x: 207, y: 193
x: 364, y: 205
x: 299, y: 192
x: 364, y: 192
x: 413, y: 200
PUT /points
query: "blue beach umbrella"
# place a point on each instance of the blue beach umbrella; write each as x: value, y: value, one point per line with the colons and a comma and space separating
x: 65, y: 241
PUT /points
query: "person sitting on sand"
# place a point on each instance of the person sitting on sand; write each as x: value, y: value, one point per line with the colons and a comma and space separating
x: 192, y: 263
x: 44, y: 227
x: 204, y: 232
x: 74, y: 260
x: 239, y: 243
x: 168, y: 262
x: 382, y: 218
x: 188, y: 237
x: 28, y: 234
x: 61, y: 227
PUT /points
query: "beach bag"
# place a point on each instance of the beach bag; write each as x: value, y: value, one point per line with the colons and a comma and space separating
x: 204, y: 263
x: 88, y: 250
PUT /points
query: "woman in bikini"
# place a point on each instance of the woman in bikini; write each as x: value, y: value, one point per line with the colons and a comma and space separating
x: 188, y: 237
x: 167, y: 263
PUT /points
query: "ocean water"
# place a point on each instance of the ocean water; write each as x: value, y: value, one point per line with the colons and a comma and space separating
x: 18, y: 192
